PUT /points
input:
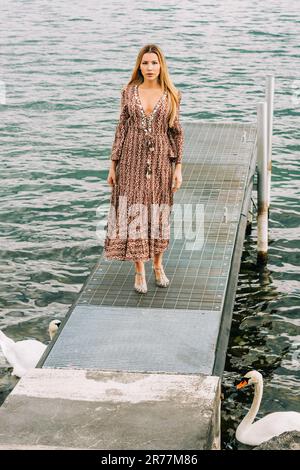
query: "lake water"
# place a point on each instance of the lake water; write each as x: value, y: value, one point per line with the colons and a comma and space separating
x: 62, y: 67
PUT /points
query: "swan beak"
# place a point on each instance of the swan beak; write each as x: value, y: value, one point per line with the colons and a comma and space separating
x: 242, y: 384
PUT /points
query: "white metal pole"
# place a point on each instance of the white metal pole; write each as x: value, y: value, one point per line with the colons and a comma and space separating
x: 262, y: 183
x: 269, y: 96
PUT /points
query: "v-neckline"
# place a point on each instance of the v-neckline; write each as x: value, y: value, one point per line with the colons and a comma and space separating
x: 141, y: 105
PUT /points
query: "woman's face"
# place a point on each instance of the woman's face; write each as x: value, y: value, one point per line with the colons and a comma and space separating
x: 150, y: 66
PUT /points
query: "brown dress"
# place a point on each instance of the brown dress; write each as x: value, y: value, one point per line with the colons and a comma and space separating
x: 141, y: 201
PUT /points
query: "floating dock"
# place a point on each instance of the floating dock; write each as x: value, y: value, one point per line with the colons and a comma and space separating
x: 142, y: 371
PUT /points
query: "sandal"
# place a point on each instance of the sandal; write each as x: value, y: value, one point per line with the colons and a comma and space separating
x: 141, y: 288
x: 162, y: 281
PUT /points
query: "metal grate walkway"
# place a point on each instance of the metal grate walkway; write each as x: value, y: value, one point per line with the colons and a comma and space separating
x: 180, y: 328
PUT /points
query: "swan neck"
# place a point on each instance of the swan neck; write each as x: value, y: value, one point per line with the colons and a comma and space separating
x: 258, y: 392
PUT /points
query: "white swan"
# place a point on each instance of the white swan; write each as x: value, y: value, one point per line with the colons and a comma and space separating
x: 267, y: 427
x: 24, y: 355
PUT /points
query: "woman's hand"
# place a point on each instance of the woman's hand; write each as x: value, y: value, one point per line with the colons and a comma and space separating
x: 177, y: 178
x: 111, y: 179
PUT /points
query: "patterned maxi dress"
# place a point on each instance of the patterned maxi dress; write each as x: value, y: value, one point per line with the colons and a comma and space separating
x: 141, y: 200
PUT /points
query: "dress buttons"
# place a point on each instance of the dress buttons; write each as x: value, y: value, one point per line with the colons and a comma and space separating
x: 147, y: 120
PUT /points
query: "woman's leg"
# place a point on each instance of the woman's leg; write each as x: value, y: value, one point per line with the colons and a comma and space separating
x: 140, y: 277
x: 160, y: 276
x: 139, y: 267
x: 157, y: 261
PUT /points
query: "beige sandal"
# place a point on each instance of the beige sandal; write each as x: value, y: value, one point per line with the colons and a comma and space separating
x: 141, y: 288
x: 163, y: 281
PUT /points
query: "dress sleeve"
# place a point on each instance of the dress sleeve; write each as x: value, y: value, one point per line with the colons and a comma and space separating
x: 121, y: 129
x: 176, y: 135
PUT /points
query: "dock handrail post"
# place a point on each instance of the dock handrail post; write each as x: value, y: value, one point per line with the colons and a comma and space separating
x: 249, y: 219
x: 269, y: 97
x: 262, y: 183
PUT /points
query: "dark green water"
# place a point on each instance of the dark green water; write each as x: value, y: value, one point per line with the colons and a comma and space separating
x: 62, y: 68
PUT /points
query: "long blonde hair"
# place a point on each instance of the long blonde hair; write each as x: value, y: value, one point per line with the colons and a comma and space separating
x: 163, y: 78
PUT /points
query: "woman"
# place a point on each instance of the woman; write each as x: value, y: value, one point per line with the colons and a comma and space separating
x: 148, y: 143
